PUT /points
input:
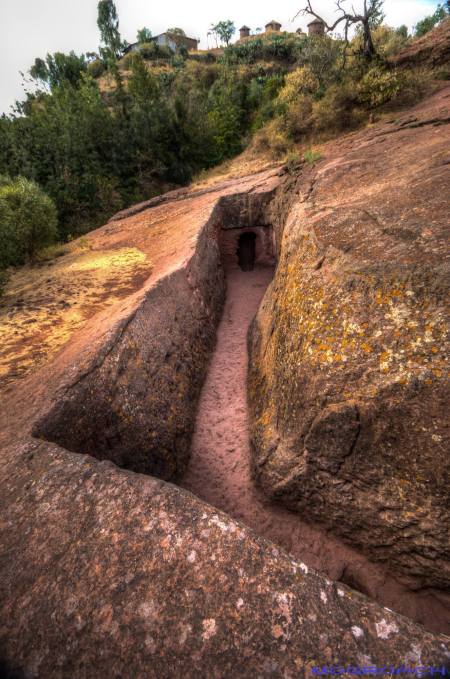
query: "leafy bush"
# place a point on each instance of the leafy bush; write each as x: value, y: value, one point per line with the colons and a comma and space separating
x: 387, y: 41
x: 311, y: 157
x: 323, y: 56
x: 28, y: 221
x: 128, y: 60
x: 96, y: 68
x: 207, y: 58
x: 379, y: 85
x: 8, y: 244
x: 283, y: 47
x: 262, y: 97
x: 51, y: 252
x: 292, y: 160
x: 149, y: 50
x: 3, y: 281
x: 300, y: 81
x: 337, y: 110
x: 274, y: 138
x: 297, y: 118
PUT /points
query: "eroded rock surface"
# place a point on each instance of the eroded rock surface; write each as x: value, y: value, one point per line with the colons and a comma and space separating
x: 348, y: 386
x: 122, y: 575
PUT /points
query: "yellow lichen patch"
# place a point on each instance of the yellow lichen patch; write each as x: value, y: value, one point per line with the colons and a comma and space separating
x: 122, y: 259
x: 44, y: 305
x: 388, y: 332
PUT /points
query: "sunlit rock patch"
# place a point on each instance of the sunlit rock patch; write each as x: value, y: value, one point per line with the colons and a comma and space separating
x: 45, y: 304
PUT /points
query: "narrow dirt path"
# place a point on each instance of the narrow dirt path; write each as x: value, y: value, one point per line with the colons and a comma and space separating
x: 219, y: 470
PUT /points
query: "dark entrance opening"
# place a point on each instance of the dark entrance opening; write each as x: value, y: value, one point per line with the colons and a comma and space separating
x: 246, y: 251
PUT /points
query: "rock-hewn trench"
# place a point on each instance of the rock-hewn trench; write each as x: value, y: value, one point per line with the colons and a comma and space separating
x: 94, y: 549
x: 234, y: 261
x: 219, y: 470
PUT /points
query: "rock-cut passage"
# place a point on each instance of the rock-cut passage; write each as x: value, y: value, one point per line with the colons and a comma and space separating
x: 219, y: 470
x: 247, y: 251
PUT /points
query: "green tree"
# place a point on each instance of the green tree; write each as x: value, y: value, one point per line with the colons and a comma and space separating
x: 58, y: 68
x: 377, y: 15
x: 402, y: 31
x: 144, y: 35
x: 429, y: 22
x: 28, y: 220
x: 176, y: 31
x: 108, y: 24
x: 224, y: 30
x: 226, y: 115
x: 66, y: 142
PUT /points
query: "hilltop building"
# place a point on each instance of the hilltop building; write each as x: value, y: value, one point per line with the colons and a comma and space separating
x: 174, y: 41
x: 316, y: 27
x: 274, y: 26
x: 244, y: 32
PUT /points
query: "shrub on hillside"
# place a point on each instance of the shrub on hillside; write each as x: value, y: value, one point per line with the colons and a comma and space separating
x: 274, y: 138
x: 337, y: 110
x: 379, y: 85
x: 283, y: 47
x: 324, y: 57
x: 96, y: 68
x: 389, y: 41
x: 8, y: 248
x: 261, y: 100
x: 151, y: 51
x: 28, y: 220
x: 3, y: 281
x: 206, y: 58
x: 297, y: 117
x: 129, y: 59
x: 299, y: 82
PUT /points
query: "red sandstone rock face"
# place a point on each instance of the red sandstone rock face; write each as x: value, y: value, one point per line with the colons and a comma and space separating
x: 348, y: 384
x: 125, y: 388
x: 433, y: 49
x: 113, y: 574
x: 105, y: 572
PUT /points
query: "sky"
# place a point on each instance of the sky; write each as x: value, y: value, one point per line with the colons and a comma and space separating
x: 32, y: 28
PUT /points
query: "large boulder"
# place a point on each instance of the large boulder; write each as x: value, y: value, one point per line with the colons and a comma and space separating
x: 107, y: 573
x: 347, y: 387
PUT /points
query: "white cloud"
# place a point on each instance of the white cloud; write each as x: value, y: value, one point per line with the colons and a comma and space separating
x: 31, y: 28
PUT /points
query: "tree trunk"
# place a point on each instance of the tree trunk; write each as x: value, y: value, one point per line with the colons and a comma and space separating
x: 368, y: 49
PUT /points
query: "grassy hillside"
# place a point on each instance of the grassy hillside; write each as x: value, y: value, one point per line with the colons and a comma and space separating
x: 98, y: 136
